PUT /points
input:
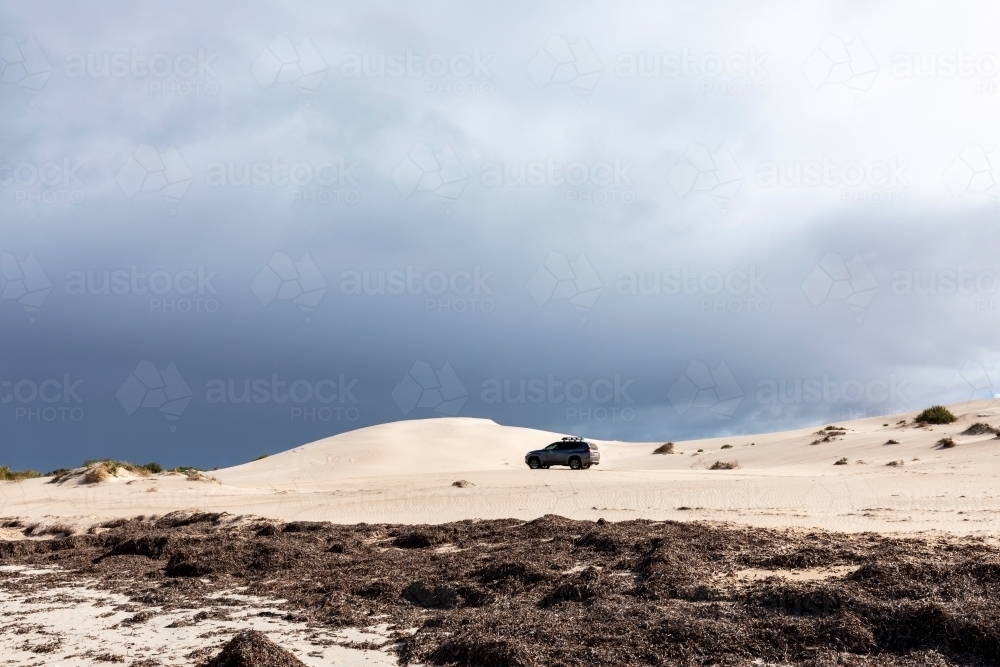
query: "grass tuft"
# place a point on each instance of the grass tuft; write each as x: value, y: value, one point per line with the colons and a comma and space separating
x: 8, y: 475
x: 979, y: 428
x: 936, y: 414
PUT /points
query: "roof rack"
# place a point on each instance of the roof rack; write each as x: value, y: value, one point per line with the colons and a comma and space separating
x: 572, y: 437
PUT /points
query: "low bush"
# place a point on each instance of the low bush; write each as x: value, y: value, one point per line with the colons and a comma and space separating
x: 8, y: 475
x: 936, y: 414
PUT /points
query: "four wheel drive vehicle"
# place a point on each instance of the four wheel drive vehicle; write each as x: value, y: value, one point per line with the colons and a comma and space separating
x: 573, y: 452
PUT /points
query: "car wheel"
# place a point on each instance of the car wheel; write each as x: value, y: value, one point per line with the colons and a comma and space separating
x: 586, y: 466
x: 534, y: 463
x: 575, y: 463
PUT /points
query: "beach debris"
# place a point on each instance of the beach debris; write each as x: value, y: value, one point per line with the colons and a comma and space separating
x: 511, y: 577
x: 252, y: 648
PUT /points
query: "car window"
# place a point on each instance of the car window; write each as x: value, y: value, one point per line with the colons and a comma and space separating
x: 554, y: 445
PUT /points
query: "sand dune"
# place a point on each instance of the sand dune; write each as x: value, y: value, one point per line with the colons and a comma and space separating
x: 403, y: 472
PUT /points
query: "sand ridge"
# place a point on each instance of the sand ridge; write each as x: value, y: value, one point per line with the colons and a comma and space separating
x: 404, y: 472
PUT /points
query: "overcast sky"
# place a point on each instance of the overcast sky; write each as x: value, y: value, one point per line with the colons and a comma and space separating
x: 227, y: 231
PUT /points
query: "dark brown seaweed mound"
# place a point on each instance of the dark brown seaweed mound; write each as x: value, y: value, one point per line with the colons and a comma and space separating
x: 562, y: 593
x: 253, y: 649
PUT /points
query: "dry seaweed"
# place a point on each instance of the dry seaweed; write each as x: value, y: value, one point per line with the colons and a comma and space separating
x: 251, y: 648
x: 558, y: 592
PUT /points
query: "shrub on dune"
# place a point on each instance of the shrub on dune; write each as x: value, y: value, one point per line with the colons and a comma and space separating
x: 8, y: 475
x: 979, y: 428
x: 936, y: 414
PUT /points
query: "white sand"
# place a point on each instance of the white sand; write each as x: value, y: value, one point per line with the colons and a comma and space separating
x: 70, y: 626
x: 402, y: 472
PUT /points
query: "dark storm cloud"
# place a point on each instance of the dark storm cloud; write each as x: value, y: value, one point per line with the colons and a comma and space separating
x: 231, y: 232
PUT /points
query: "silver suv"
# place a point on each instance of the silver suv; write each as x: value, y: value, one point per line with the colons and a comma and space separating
x: 573, y: 452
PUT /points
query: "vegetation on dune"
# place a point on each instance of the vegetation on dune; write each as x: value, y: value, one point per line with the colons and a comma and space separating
x: 666, y: 448
x: 8, y: 475
x: 936, y: 414
x: 95, y: 471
